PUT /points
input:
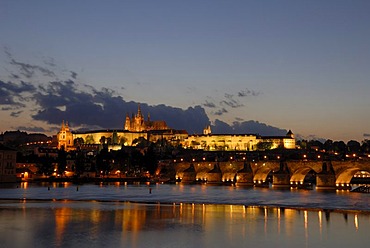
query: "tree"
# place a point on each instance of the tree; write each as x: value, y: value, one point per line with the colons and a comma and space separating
x: 365, y: 146
x: 102, y: 140
x: 140, y: 142
x: 302, y: 144
x: 103, y: 160
x: 339, y: 146
x: 80, y: 162
x: 46, y: 165
x: 328, y: 145
x: 115, y: 138
x: 264, y: 145
x: 353, y: 146
x: 122, y: 140
x: 315, y: 144
x: 78, y: 141
x: 90, y: 139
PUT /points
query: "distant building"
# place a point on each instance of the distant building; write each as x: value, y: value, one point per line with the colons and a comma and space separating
x: 46, y: 152
x: 8, y: 161
x: 237, y: 142
x: 26, y: 171
x: 135, y: 129
x: 138, y: 124
x: 23, y: 139
x: 65, y: 137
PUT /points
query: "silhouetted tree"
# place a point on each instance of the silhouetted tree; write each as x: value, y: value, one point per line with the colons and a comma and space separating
x: 339, y: 146
x: 103, y: 160
x: 78, y: 142
x: 353, y: 146
x: 46, y: 165
x: 315, y: 144
x: 264, y: 145
x: 328, y: 145
x: 365, y: 146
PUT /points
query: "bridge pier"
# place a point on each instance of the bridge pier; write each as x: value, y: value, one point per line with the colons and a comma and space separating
x: 244, y: 177
x: 189, y: 175
x: 281, y: 178
x: 326, y: 178
x: 214, y: 176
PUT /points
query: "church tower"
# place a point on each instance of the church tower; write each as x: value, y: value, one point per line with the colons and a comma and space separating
x: 139, y: 121
x: 127, y: 123
x: 65, y: 137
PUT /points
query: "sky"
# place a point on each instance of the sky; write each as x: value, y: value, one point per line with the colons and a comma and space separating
x: 299, y: 65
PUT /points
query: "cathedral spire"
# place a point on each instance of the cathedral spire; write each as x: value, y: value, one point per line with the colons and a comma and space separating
x: 139, y: 111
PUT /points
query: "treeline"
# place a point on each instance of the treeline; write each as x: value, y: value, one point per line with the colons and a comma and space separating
x: 351, y: 146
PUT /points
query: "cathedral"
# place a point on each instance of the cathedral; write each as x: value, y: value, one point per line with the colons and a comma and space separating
x: 137, y: 123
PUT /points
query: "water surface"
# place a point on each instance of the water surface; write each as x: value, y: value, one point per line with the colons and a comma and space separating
x: 118, y: 215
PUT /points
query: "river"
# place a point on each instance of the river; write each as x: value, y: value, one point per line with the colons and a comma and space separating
x: 179, y: 215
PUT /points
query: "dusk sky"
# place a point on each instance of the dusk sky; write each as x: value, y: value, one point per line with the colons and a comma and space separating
x: 299, y: 65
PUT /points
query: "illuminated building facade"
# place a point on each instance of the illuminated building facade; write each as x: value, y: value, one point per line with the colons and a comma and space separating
x: 137, y: 123
x: 65, y: 137
x: 136, y: 129
x: 238, y: 142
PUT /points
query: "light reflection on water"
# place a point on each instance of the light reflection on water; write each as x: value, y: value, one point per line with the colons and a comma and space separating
x: 67, y: 215
x: 97, y: 224
x: 309, y: 199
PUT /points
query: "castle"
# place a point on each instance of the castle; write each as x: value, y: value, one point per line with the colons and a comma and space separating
x: 137, y: 128
x: 134, y: 130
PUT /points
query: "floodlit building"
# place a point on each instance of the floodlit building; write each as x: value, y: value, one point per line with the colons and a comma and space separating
x: 65, y: 137
x: 137, y: 123
x: 136, y: 129
x: 238, y: 142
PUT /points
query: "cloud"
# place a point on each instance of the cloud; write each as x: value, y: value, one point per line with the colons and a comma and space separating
x: 231, y: 102
x: 84, y: 106
x: 28, y: 70
x: 12, y: 94
x: 16, y: 114
x: 209, y: 104
x: 220, y: 112
x: 73, y: 74
x: 87, y: 107
x: 250, y: 127
x: 50, y: 62
x: 366, y: 135
x: 247, y: 92
x: 17, y: 88
x: 14, y: 76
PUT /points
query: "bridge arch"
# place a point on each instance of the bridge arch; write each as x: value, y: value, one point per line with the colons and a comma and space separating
x: 300, y: 174
x: 261, y: 175
x: 346, y: 175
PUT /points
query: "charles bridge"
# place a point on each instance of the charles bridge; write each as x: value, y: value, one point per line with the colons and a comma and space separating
x: 293, y: 173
